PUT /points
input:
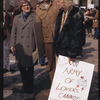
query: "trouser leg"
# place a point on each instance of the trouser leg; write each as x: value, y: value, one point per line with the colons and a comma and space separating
x: 51, y: 58
x: 96, y: 33
x: 42, y: 60
x: 27, y: 77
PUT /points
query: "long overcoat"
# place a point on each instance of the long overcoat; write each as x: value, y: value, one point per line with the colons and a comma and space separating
x: 69, y: 41
x: 23, y: 39
x: 48, y: 18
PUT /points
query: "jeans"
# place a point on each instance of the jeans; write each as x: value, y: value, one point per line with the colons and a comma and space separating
x: 42, y: 60
x: 96, y: 30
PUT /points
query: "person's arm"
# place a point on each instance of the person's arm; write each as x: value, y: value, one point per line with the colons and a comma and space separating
x: 37, y: 16
x: 71, y: 59
x: 95, y: 17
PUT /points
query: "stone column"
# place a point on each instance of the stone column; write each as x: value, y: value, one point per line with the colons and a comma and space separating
x: 88, y: 2
x: 3, y: 4
x: 76, y: 2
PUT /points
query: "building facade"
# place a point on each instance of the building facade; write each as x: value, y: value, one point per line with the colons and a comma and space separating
x: 86, y: 3
x: 7, y: 3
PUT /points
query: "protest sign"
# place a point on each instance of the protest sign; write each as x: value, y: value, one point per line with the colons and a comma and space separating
x: 90, y: 5
x: 71, y: 82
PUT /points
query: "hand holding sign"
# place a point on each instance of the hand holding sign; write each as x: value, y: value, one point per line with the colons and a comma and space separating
x: 71, y: 59
x: 71, y: 82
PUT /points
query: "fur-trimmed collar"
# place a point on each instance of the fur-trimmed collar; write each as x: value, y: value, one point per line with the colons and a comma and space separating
x: 75, y: 12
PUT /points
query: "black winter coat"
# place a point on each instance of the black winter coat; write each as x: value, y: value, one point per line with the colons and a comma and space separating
x: 70, y: 40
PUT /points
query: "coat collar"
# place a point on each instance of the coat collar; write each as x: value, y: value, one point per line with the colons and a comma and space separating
x: 71, y: 14
x: 29, y: 19
x: 73, y: 11
x: 43, y: 8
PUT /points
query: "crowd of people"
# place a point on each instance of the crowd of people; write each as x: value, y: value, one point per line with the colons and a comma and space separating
x: 91, y: 22
x: 64, y: 29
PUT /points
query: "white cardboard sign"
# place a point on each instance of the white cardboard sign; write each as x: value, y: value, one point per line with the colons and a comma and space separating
x: 71, y: 82
x: 91, y: 5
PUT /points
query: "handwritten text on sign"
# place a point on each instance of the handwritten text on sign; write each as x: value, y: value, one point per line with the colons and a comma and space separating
x: 71, y: 82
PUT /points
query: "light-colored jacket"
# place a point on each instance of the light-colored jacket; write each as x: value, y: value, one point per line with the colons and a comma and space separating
x: 48, y: 19
x: 95, y: 20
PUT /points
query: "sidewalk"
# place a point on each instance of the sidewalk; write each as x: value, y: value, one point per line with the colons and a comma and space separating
x: 12, y: 79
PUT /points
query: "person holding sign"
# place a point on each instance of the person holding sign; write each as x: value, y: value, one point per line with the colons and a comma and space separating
x: 69, y: 31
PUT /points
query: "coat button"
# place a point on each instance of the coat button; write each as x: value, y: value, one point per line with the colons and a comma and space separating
x: 22, y: 37
x: 27, y: 36
x: 27, y: 45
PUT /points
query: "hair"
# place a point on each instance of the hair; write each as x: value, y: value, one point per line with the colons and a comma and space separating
x: 88, y: 9
x: 23, y: 2
x: 67, y: 4
x: 97, y: 7
x: 11, y: 9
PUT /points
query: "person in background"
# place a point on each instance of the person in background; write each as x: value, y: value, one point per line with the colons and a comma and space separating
x: 6, y: 28
x: 69, y: 31
x: 95, y: 22
x: 88, y: 23
x: 6, y: 37
x: 7, y: 22
x: 46, y: 13
x: 17, y: 11
x: 24, y: 44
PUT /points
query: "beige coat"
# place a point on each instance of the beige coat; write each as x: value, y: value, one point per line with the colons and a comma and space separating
x: 95, y: 20
x: 48, y: 19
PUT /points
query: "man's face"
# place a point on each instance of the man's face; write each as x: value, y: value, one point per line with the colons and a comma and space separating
x: 59, y: 4
x: 26, y: 7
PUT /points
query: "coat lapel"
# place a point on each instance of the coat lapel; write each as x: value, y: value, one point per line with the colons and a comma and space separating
x: 21, y: 20
x: 67, y: 22
x: 25, y: 23
x: 29, y: 19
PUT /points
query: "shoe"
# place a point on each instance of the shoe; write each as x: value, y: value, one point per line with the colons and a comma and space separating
x: 5, y: 70
x: 81, y: 55
x: 44, y: 64
x: 93, y: 37
x: 27, y: 90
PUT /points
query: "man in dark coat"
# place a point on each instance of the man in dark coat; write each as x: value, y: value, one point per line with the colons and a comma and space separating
x: 70, y: 31
x: 23, y: 43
